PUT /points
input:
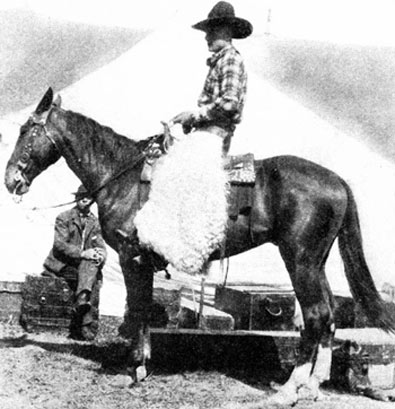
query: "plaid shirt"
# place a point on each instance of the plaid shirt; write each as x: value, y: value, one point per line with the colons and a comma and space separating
x: 222, y: 99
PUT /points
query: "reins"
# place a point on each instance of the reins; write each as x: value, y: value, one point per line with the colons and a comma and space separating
x: 143, y: 155
x: 94, y: 192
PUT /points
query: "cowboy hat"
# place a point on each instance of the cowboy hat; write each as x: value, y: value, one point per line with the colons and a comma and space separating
x: 223, y: 13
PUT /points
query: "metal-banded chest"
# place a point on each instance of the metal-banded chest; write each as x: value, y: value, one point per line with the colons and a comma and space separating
x: 47, y: 302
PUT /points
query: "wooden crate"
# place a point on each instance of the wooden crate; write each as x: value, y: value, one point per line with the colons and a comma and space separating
x: 10, y: 301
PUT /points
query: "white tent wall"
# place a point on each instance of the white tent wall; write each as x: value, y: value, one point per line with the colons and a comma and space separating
x: 161, y: 76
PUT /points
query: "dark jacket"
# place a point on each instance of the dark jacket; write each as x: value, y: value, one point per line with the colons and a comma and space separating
x: 71, y: 239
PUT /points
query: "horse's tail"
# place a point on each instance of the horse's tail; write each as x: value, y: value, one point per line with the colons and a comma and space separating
x: 357, y: 271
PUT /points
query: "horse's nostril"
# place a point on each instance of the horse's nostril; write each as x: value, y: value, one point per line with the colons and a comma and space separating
x: 18, y: 176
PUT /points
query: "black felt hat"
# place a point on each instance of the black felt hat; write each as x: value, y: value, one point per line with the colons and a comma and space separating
x: 221, y: 14
x: 81, y: 192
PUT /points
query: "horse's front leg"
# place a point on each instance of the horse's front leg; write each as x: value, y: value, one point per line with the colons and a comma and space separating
x: 138, y: 276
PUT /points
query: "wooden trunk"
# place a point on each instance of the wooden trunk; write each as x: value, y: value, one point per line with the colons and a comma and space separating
x: 47, y: 302
x: 272, y: 308
x: 257, y: 307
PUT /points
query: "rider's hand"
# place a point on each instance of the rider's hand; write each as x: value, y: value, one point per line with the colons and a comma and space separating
x: 155, y: 151
x: 187, y: 119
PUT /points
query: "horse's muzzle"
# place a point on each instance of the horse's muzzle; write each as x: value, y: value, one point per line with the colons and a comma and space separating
x: 15, y: 181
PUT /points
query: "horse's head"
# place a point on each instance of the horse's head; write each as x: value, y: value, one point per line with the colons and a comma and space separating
x: 34, y: 151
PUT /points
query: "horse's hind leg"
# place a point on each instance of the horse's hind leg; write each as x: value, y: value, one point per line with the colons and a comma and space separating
x: 324, y: 336
x: 306, y: 267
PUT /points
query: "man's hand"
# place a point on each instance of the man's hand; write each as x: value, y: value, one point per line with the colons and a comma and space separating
x: 99, y: 256
x: 95, y: 254
x: 187, y: 119
x: 88, y: 254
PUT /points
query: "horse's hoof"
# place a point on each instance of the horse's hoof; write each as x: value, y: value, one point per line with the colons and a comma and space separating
x: 121, y: 381
x: 283, y: 398
x: 275, y: 386
x: 306, y: 393
x: 138, y: 374
x: 141, y: 373
x: 311, y: 391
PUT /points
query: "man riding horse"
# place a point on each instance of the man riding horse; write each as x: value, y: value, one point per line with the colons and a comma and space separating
x: 222, y: 99
x: 191, y: 177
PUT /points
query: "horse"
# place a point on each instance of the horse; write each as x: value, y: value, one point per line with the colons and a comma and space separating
x: 298, y: 205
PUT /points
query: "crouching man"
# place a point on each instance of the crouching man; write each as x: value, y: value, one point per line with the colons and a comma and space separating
x: 78, y: 255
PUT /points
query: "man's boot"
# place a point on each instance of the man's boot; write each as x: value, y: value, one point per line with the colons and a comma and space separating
x: 82, y: 304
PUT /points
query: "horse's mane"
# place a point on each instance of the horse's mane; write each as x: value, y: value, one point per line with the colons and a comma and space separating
x: 117, y: 147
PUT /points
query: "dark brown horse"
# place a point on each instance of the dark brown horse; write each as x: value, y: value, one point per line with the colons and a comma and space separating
x: 298, y: 205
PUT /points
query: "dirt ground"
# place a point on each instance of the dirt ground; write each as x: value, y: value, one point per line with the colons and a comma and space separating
x: 48, y: 370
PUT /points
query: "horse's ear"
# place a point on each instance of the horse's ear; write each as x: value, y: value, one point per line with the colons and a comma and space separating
x: 58, y: 101
x: 45, y: 102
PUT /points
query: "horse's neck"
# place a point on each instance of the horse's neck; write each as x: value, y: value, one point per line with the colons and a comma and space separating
x: 93, y: 152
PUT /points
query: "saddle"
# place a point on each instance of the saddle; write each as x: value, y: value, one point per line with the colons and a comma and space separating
x: 240, y: 169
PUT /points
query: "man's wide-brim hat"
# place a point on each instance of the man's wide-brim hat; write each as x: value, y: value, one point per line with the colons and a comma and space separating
x: 222, y: 14
x: 82, y: 192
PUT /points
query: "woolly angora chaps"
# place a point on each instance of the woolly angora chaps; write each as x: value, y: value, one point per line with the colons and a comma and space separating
x: 185, y: 217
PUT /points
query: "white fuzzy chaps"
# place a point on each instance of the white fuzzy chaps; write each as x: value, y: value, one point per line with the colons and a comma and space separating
x: 185, y: 217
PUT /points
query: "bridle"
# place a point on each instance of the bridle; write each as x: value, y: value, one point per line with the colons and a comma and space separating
x: 26, y: 160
